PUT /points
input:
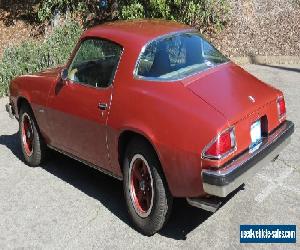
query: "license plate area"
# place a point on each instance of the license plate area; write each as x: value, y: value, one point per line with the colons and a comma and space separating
x: 256, y: 136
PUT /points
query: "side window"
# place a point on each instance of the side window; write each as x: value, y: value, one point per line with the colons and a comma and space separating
x: 95, y: 63
x: 177, y: 52
x: 147, y: 58
x: 177, y: 56
x: 162, y: 57
x: 210, y: 54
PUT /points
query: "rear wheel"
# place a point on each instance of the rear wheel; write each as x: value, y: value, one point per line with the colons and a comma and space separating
x: 147, y: 196
x: 32, y: 144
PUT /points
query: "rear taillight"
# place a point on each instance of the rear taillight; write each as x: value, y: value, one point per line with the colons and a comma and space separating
x: 221, y: 146
x: 281, y: 108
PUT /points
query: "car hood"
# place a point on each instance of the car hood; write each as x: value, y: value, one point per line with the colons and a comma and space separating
x: 51, y: 72
x: 231, y: 90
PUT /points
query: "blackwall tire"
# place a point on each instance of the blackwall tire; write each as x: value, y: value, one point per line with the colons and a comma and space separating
x: 32, y: 144
x: 148, y: 199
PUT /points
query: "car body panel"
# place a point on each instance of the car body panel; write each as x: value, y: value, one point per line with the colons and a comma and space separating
x: 246, y: 92
x: 77, y: 126
x: 162, y: 100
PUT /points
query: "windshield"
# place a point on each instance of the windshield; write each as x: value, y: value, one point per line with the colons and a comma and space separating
x: 178, y: 56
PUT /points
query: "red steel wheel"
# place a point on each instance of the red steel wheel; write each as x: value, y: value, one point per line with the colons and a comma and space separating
x: 141, y: 186
x: 147, y: 196
x: 27, y: 134
x: 32, y: 144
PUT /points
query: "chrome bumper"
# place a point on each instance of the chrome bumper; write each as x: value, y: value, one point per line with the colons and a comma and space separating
x: 223, y: 181
x: 9, y: 109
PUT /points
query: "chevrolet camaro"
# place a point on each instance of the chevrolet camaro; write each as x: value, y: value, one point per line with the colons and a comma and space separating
x: 154, y: 104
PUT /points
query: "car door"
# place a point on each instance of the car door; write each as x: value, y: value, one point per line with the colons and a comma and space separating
x: 78, y: 107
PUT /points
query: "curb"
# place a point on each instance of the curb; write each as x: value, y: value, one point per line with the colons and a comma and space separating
x: 266, y: 60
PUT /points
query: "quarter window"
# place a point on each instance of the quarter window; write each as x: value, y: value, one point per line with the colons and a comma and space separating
x: 95, y: 63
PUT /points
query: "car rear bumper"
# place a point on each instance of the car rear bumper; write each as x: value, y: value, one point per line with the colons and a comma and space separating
x: 9, y: 110
x: 226, y: 179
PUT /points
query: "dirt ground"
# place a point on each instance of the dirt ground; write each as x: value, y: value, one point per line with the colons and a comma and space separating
x: 13, y: 34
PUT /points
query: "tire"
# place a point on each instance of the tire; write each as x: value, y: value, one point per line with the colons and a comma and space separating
x: 32, y: 144
x: 147, y: 196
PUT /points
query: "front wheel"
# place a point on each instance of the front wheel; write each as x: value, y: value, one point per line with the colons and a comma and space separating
x: 32, y: 144
x: 147, y: 196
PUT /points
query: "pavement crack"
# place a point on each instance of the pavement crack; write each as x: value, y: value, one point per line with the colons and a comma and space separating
x: 288, y: 165
x: 284, y: 162
x: 93, y: 218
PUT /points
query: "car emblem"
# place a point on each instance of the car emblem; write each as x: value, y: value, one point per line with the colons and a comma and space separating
x: 251, y: 98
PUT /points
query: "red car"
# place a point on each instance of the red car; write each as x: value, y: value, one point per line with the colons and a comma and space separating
x: 154, y: 104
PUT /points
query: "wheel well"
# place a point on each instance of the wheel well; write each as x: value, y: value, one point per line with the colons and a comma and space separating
x: 124, y: 139
x: 22, y: 101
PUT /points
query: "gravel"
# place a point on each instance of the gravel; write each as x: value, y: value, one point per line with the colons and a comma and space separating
x: 261, y: 27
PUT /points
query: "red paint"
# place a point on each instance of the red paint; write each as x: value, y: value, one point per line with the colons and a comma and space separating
x: 178, y: 118
x: 76, y: 124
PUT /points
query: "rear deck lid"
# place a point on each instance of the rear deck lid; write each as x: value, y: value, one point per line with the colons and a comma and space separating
x: 231, y: 90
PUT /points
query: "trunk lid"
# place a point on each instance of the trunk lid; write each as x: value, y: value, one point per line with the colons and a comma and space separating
x: 231, y: 90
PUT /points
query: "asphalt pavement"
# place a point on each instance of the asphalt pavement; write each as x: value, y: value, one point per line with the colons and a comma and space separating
x: 65, y: 205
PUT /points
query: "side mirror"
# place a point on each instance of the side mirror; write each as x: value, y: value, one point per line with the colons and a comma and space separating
x: 64, y: 74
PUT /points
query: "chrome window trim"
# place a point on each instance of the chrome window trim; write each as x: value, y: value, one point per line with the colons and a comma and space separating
x: 157, y: 79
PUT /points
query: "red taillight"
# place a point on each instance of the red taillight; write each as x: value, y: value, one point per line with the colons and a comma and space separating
x: 221, y: 146
x: 281, y: 107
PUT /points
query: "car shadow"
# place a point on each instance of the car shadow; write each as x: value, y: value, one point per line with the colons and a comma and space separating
x: 297, y: 70
x: 183, y: 220
x: 253, y: 60
x: 109, y: 191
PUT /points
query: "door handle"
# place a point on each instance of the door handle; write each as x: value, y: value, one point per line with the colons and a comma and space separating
x: 102, y: 106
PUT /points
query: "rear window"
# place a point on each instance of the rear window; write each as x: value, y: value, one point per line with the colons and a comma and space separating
x: 177, y: 56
